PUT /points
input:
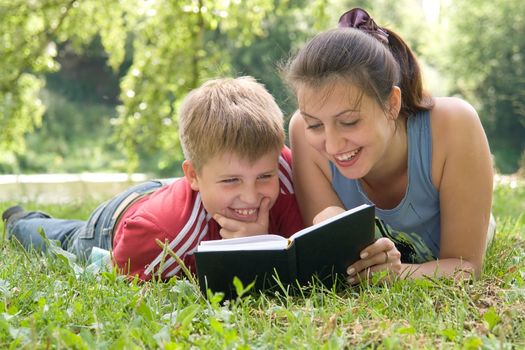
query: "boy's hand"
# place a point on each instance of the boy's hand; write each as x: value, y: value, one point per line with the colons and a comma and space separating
x: 231, y: 228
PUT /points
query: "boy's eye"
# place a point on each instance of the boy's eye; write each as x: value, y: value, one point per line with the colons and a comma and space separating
x: 230, y: 180
x: 265, y: 176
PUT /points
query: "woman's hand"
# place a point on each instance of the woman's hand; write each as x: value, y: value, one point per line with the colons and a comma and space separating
x: 382, y: 255
x: 327, y: 213
x: 231, y: 228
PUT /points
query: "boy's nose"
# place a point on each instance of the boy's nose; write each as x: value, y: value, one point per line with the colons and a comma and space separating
x: 250, y: 195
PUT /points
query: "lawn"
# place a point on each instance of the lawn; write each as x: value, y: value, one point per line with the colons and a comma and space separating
x: 51, y: 302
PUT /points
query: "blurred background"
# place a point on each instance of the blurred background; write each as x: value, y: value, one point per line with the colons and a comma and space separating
x: 94, y: 85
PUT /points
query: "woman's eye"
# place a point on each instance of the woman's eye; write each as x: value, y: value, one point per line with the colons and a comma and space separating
x: 352, y: 123
x: 313, y: 126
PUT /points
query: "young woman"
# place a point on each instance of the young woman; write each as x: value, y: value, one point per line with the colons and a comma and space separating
x: 366, y: 132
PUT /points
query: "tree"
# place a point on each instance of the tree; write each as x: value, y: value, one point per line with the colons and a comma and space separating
x: 26, y: 49
x: 487, y: 65
x: 285, y: 28
x: 175, y: 48
x: 172, y: 46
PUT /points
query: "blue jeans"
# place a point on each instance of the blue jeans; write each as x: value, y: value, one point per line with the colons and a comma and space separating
x: 78, y: 236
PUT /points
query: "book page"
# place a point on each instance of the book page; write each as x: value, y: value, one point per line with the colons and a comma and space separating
x: 259, y: 242
x: 327, y: 221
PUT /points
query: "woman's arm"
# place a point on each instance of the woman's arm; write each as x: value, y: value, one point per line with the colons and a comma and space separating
x: 311, y: 174
x: 462, y: 173
x: 465, y: 185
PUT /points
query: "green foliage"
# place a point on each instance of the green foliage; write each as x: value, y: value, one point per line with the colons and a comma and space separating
x: 154, y: 52
x: 286, y: 27
x: 173, y: 50
x: 487, y: 64
x: 508, y: 199
x: 20, y: 111
x: 27, y: 51
x: 68, y: 141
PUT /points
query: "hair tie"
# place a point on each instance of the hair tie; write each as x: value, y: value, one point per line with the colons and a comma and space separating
x: 360, y: 19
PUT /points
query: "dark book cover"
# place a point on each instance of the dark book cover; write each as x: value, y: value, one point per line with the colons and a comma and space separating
x: 329, y: 249
x: 321, y: 251
x: 216, y: 270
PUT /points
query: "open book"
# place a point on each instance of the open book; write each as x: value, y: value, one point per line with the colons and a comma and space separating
x: 323, y: 250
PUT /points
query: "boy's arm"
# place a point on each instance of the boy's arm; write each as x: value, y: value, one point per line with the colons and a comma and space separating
x: 137, y: 253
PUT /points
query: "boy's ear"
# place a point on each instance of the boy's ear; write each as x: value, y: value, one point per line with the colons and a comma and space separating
x: 191, y: 174
x: 394, y: 103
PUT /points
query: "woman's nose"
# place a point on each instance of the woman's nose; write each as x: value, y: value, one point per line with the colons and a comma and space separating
x: 333, y: 142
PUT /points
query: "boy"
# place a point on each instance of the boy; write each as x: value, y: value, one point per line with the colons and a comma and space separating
x: 237, y: 182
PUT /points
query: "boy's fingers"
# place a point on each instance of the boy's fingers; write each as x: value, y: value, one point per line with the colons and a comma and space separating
x: 228, y: 226
x: 264, y: 211
x: 220, y: 219
x: 224, y: 221
x: 226, y: 233
x: 265, y: 204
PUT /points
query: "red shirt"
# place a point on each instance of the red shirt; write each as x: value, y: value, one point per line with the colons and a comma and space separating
x: 175, y: 214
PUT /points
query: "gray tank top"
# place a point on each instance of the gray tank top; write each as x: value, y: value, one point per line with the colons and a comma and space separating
x: 414, y: 224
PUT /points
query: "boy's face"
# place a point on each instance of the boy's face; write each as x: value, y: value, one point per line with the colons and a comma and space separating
x: 235, y: 187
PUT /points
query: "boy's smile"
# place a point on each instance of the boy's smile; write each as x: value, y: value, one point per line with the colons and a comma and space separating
x: 235, y: 187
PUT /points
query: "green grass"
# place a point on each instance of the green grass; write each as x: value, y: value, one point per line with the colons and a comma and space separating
x: 44, y: 303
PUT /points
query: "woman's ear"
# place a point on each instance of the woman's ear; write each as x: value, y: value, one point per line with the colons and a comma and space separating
x: 394, y: 103
x: 191, y: 174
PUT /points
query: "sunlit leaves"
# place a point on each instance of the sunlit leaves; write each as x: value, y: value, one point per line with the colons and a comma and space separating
x: 173, y: 52
x: 488, y: 66
x: 172, y: 46
x: 27, y: 50
x: 20, y: 110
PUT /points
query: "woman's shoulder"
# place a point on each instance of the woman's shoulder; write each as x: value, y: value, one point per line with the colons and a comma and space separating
x: 452, y: 111
x: 454, y: 121
x: 456, y: 133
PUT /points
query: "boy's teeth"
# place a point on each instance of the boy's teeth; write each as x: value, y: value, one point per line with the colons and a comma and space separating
x: 347, y: 156
x: 245, y: 212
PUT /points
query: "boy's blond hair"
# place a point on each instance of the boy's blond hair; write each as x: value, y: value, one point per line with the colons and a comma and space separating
x: 229, y: 115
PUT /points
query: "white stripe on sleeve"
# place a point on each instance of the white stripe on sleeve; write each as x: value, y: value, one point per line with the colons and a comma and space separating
x: 285, y: 176
x: 189, y: 241
x: 180, y: 236
x: 285, y: 165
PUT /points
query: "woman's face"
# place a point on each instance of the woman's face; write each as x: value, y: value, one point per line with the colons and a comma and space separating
x: 347, y: 127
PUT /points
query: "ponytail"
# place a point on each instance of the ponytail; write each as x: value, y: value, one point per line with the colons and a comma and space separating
x: 409, y: 81
x: 414, y: 98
